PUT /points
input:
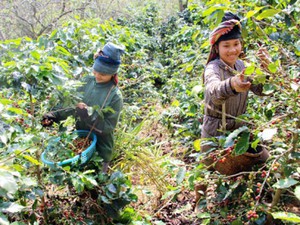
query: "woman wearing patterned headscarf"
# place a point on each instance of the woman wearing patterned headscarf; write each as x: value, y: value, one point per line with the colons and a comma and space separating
x: 226, y: 89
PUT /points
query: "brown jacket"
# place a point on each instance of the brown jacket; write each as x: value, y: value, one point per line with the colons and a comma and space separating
x: 218, y: 91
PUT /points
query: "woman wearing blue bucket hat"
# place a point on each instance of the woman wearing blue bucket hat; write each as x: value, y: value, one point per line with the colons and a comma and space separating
x: 100, y: 90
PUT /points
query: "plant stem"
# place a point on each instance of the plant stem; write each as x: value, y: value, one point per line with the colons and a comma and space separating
x: 276, y: 198
x: 278, y: 191
x: 295, y: 137
x: 14, y: 156
x: 39, y: 179
x: 37, y: 155
x: 31, y: 109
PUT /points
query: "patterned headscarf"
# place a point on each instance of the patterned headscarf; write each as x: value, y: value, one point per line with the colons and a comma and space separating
x: 227, y: 30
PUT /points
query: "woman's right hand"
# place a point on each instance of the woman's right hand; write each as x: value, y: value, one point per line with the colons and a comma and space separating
x: 48, y: 119
x: 81, y: 110
x: 239, y: 84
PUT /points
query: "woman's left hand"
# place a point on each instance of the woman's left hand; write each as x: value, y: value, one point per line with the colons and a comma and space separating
x: 81, y: 105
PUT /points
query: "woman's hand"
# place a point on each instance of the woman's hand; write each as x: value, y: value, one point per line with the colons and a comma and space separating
x: 81, y: 105
x: 48, y: 119
x: 239, y: 84
x: 81, y: 110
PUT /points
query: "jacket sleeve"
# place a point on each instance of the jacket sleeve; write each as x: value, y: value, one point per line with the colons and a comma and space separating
x: 257, y: 89
x: 109, y: 120
x: 216, y: 89
x: 62, y: 114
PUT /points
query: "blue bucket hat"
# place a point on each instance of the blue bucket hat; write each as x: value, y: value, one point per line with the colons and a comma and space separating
x: 109, y: 60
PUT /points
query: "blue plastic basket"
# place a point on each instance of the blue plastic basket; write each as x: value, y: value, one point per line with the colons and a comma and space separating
x: 84, y: 156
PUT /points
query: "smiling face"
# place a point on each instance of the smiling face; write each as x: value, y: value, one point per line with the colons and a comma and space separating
x: 101, y: 78
x: 229, y: 51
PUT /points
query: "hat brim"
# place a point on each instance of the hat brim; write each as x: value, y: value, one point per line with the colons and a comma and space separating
x: 105, y: 68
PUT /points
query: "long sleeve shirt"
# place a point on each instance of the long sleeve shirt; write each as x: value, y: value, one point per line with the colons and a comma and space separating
x: 219, y: 91
x: 94, y: 94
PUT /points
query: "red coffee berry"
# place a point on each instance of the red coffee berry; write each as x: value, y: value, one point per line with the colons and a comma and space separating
x: 263, y: 174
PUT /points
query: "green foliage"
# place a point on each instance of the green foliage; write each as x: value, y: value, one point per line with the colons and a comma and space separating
x: 135, y: 154
x: 104, y: 196
x: 286, y: 217
x: 14, y: 184
x: 117, y: 194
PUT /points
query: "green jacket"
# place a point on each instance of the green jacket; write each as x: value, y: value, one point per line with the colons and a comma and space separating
x: 94, y: 94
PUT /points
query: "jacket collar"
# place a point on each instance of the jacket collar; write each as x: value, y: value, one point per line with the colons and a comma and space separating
x: 238, y: 66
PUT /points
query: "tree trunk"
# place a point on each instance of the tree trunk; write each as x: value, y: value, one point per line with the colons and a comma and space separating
x: 182, y: 5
